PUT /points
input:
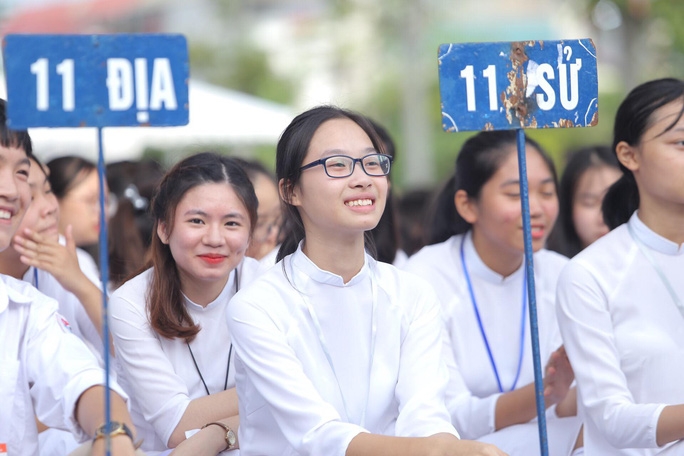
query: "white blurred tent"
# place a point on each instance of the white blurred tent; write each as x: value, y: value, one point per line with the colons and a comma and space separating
x: 218, y: 117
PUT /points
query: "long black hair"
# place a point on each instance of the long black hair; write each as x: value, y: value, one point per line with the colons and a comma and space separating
x: 633, y: 118
x: 480, y: 158
x: 290, y: 153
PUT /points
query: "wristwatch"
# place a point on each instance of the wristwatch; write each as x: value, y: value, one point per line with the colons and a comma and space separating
x: 115, y: 428
x: 231, y: 438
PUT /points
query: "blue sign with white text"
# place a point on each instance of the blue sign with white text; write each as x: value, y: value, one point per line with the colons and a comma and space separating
x: 524, y: 84
x: 96, y: 80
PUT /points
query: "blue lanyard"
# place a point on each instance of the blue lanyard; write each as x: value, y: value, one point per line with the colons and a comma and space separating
x: 35, y: 277
x: 482, y: 330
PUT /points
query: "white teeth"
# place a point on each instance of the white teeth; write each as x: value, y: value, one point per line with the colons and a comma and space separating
x: 5, y: 215
x: 363, y: 202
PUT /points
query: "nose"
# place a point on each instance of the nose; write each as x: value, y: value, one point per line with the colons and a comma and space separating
x: 358, y: 177
x: 535, y: 205
x: 212, y: 236
x: 8, y: 186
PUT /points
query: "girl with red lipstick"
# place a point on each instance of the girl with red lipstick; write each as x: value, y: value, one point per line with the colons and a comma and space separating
x: 475, y: 262
x: 168, y: 323
x: 338, y: 354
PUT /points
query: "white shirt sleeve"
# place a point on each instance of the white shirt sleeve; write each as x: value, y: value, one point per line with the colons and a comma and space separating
x: 59, y: 368
x: 587, y: 328
x: 423, y: 376
x: 472, y: 416
x: 161, y: 395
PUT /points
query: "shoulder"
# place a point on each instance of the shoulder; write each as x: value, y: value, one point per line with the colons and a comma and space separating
x: 549, y: 263
x: 133, y: 291
x: 433, y: 257
x: 19, y: 296
x: 88, y: 266
x: 249, y: 270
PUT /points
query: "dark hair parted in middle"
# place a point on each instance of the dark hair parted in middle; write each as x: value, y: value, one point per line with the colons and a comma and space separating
x: 479, y: 159
x: 165, y: 305
x: 290, y: 153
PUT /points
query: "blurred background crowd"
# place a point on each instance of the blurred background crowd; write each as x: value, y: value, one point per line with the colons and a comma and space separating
x: 255, y: 63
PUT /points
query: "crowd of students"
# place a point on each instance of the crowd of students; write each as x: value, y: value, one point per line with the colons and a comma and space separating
x: 262, y: 315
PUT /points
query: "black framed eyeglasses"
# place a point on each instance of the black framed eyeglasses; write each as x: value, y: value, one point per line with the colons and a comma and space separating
x: 338, y: 166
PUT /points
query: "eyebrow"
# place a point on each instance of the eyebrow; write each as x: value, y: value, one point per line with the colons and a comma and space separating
x: 204, y: 214
x: 327, y: 153
x: 548, y: 180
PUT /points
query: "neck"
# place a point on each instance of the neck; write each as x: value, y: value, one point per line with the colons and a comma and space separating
x: 342, y: 257
x: 203, y: 293
x: 11, y: 265
x: 665, y: 220
x: 500, y: 260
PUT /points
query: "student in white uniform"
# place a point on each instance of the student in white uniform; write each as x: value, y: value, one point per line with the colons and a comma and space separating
x: 476, y: 264
x: 338, y: 354
x: 168, y: 323
x: 44, y: 250
x: 47, y: 373
x: 620, y: 301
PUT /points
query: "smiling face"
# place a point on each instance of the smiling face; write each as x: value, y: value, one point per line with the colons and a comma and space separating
x: 587, y: 216
x: 346, y: 206
x: 42, y: 215
x: 496, y: 215
x: 208, y: 239
x: 15, y: 194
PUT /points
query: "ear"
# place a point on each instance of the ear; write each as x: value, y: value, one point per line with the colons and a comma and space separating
x: 288, y: 192
x: 627, y: 155
x: 161, y: 232
x: 465, y: 206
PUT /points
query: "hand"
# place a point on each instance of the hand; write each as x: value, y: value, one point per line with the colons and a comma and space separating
x: 209, y: 441
x: 559, y: 376
x: 49, y: 255
x: 448, y: 445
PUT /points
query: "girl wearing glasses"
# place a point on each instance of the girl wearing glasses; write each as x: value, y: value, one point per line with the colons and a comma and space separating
x: 338, y: 354
x: 168, y: 323
x: 621, y: 300
x: 476, y: 264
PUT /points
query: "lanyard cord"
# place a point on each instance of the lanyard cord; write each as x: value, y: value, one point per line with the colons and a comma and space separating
x: 230, y: 352
x: 482, y: 330
x: 663, y: 278
x: 35, y: 277
x: 324, y: 346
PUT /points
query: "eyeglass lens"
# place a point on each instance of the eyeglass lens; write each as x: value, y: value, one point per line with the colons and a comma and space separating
x: 342, y: 166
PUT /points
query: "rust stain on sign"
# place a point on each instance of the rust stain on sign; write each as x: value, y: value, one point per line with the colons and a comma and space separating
x: 513, y: 98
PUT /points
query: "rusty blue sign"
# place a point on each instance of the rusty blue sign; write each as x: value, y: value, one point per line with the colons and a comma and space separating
x: 96, y: 80
x: 522, y: 84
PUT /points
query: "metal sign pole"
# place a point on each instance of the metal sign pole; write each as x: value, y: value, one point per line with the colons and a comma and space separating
x: 532, y: 297
x: 104, y: 277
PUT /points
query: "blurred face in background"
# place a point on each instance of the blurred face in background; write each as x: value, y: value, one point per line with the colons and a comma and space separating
x: 586, y: 202
x: 269, y: 218
x: 80, y: 208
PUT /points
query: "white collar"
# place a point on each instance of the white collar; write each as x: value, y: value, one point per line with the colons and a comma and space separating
x: 7, y: 294
x: 477, y: 267
x: 653, y: 240
x: 307, y: 269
